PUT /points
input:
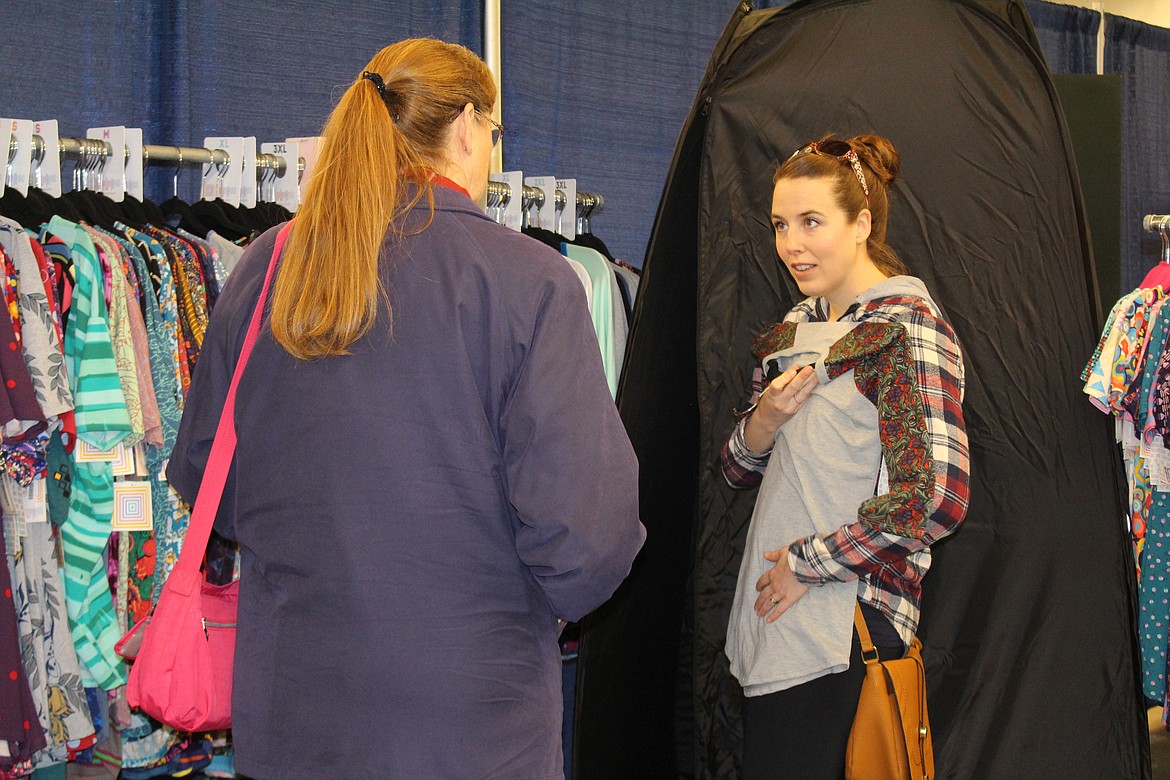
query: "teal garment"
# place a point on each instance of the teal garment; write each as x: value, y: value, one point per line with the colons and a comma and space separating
x: 163, y: 368
x: 601, y: 307
x: 102, y: 421
x: 1153, y: 585
x: 54, y: 772
x: 171, y: 516
x: 59, y: 485
x: 1154, y: 598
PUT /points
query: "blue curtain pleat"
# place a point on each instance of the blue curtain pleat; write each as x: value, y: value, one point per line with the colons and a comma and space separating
x: 1140, y: 53
x: 1067, y: 34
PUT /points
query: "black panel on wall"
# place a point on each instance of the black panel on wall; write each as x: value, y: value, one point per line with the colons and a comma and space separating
x: 1092, y: 111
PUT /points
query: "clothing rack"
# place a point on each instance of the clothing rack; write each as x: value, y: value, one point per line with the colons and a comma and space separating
x: 90, y: 154
x: 89, y: 151
x: 1160, y: 224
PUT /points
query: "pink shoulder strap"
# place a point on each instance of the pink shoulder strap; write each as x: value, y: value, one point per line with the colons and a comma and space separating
x: 186, y: 572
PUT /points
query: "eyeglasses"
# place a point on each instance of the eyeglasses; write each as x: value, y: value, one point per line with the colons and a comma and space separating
x: 839, y: 150
x: 497, y: 128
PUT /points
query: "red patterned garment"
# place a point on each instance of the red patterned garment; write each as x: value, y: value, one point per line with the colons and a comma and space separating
x: 20, y: 728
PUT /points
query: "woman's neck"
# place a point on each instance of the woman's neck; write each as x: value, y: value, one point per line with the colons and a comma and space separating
x: 840, y: 301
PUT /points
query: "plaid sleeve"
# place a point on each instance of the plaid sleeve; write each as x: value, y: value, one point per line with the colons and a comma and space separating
x: 867, y: 546
x: 743, y: 468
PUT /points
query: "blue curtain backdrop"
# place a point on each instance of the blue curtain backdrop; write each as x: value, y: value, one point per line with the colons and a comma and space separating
x: 1068, y: 35
x: 1140, y: 53
x: 183, y: 71
x: 84, y: 64
x: 598, y: 91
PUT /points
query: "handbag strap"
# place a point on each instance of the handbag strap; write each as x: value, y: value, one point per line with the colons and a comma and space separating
x: 868, y: 652
x: 186, y: 572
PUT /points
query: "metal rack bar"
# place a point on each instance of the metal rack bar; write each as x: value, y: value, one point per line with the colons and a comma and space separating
x: 76, y: 148
x: 500, y: 194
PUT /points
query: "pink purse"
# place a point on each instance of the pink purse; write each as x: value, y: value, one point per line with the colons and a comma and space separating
x: 184, y: 651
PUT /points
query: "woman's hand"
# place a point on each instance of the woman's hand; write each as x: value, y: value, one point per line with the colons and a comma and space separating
x: 778, y: 588
x: 778, y: 402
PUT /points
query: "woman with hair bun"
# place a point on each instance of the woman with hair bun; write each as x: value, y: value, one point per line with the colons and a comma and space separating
x: 430, y: 473
x: 856, y: 438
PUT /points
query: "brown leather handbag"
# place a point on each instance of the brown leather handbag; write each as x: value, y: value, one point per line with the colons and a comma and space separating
x: 890, y: 739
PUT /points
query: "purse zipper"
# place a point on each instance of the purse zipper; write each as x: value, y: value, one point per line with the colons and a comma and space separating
x: 214, y: 625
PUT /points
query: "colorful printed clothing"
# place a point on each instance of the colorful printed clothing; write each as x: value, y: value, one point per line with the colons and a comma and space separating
x: 1101, y: 373
x: 102, y: 421
x: 40, y: 340
x: 50, y: 661
x: 136, y: 309
x: 161, y: 320
x: 19, y: 410
x: 887, y: 548
x: 20, y: 729
x: 1132, y: 339
x: 121, y: 339
x: 162, y: 327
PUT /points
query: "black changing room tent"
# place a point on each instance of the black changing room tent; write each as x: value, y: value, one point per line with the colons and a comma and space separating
x: 1028, y: 619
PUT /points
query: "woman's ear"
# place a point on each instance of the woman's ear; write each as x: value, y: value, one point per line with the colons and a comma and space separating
x: 864, y: 225
x: 465, y: 129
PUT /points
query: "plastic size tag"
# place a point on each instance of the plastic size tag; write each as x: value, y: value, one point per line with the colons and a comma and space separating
x: 134, y: 162
x: 5, y: 144
x: 20, y: 164
x: 111, y: 177
x: 287, y: 193
x: 224, y: 181
x: 47, y: 175
x: 567, y: 217
x: 309, y: 149
x: 513, y: 210
x: 248, y: 174
x: 546, y: 216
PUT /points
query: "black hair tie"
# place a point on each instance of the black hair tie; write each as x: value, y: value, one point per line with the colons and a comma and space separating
x: 387, y: 95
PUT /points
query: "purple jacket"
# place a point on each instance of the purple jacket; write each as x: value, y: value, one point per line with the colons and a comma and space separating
x: 414, y: 517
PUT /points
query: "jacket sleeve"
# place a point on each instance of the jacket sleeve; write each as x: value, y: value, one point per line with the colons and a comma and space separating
x: 928, y: 484
x: 572, y: 476
x: 743, y: 468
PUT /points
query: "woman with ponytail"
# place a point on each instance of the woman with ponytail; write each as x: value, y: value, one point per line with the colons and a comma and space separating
x: 856, y: 438
x: 430, y: 473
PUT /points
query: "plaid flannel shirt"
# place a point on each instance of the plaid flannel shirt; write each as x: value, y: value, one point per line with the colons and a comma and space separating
x: 889, y: 567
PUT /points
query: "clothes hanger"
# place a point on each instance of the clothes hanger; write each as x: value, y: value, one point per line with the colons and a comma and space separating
x: 1159, y: 275
x: 178, y: 213
x: 217, y: 214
